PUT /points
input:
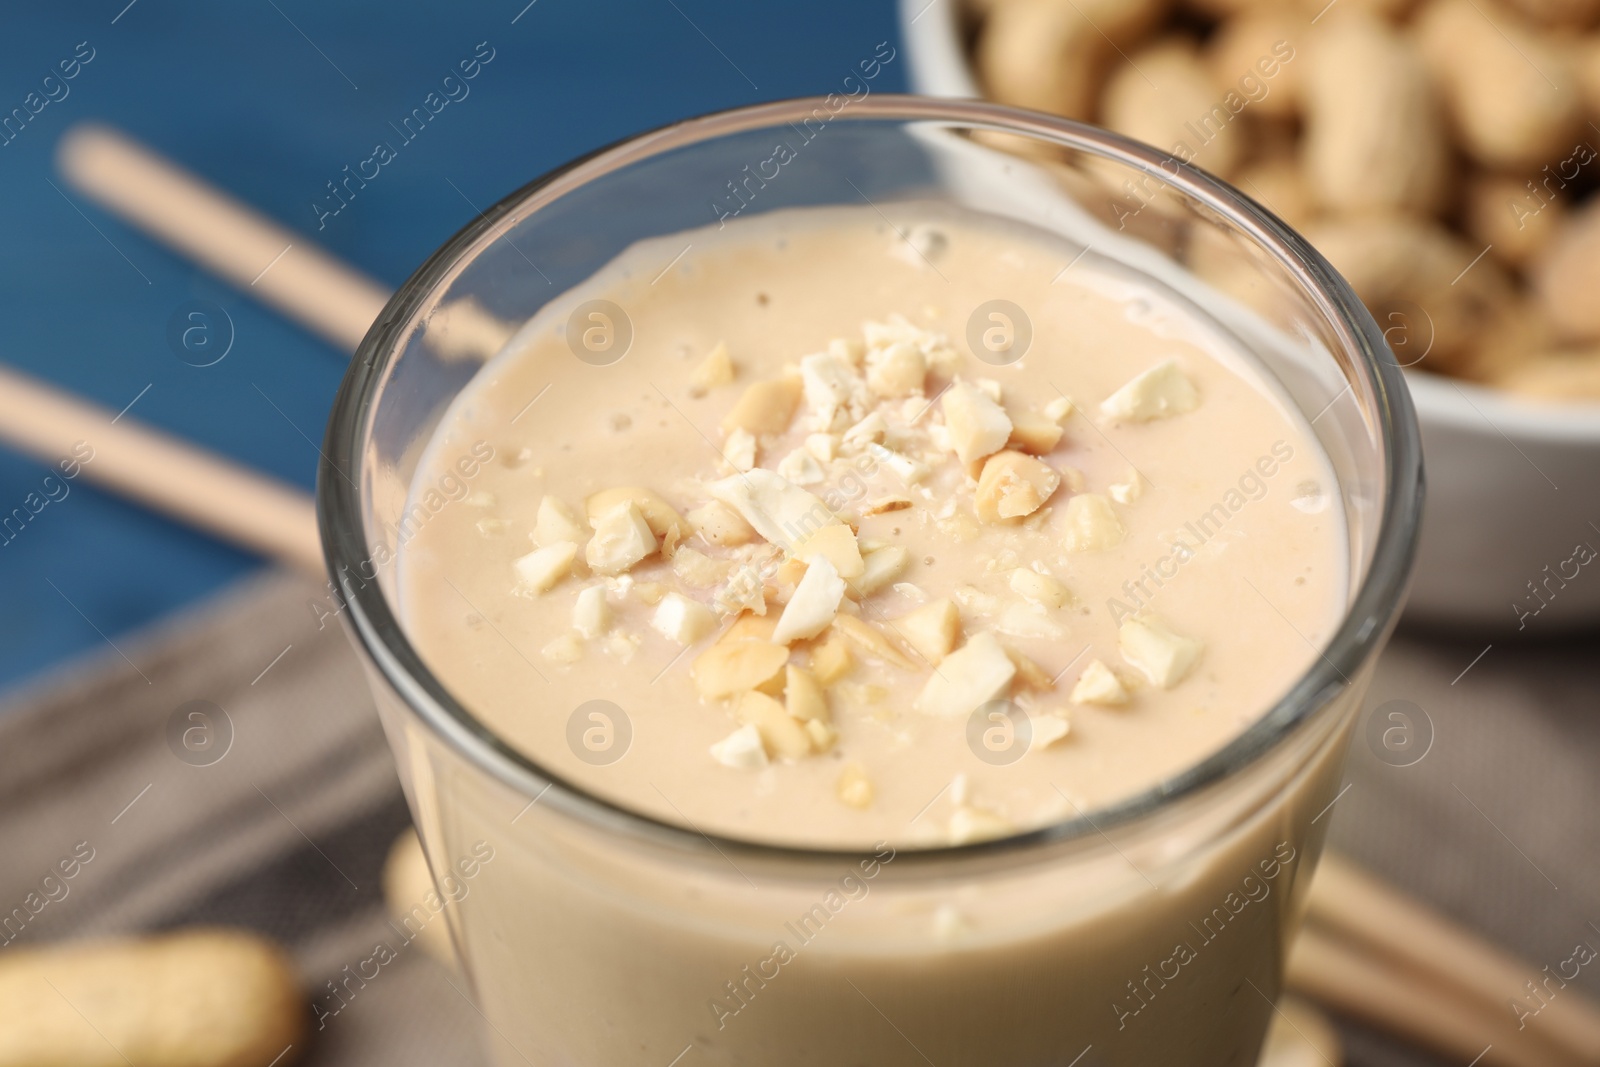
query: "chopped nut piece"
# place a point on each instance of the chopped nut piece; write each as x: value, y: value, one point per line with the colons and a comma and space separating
x: 868, y: 431
x: 1013, y: 485
x: 680, y: 619
x: 896, y: 370
x: 802, y: 696
x: 1039, y: 588
x: 905, y: 468
x: 1098, y: 684
x: 591, y: 615
x: 825, y: 446
x: 1027, y: 620
x: 854, y: 787
x: 990, y: 388
x: 742, y: 750
x: 880, y: 567
x: 968, y: 678
x: 743, y: 591
x: 698, y: 570
x: 669, y: 541
x: 886, y: 505
x: 781, y: 512
x: 1162, y: 656
x: 1029, y: 673
x: 730, y: 667
x: 836, y: 397
x: 1047, y: 730
x: 1033, y: 432
x: 1091, y: 524
x: 814, y: 604
x: 831, y: 659
x: 975, y: 824
x: 740, y: 450
x: 1060, y: 409
x: 716, y: 369
x: 872, y: 641
x: 977, y: 425
x: 838, y: 545
x: 781, y: 735
x: 1128, y: 490
x: 622, y: 538
x: 659, y: 515
x: 800, y: 467
x: 565, y: 649
x: 555, y: 522
x: 544, y: 567
x: 649, y: 592
x: 1158, y: 393
x: 764, y: 407
x: 721, y: 525
x: 822, y: 735
x: 1072, y: 478
x: 750, y: 628
x: 932, y: 629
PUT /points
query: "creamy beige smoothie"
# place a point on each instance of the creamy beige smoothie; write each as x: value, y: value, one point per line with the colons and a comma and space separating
x: 837, y: 530
x: 799, y: 534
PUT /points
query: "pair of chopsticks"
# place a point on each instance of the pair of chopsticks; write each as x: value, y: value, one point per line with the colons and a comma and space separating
x: 1366, y: 950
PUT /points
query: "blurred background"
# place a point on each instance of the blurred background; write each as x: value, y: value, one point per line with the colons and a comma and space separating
x: 121, y: 625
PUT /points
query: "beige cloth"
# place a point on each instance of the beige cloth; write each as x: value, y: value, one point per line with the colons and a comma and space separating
x: 287, y: 832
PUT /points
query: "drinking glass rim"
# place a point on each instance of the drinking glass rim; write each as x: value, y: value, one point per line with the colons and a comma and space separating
x: 1364, y: 625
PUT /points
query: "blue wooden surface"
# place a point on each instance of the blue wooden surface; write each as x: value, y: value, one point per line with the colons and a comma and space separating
x: 271, y: 99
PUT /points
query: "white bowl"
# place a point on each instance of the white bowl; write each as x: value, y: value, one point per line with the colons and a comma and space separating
x: 1511, y: 527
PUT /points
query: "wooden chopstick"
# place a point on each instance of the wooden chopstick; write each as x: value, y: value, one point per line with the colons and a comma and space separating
x: 1374, y: 989
x: 1361, y: 951
x: 1351, y: 902
x: 188, y: 483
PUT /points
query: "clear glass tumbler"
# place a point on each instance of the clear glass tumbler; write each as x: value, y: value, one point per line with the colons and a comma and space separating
x: 1153, y: 932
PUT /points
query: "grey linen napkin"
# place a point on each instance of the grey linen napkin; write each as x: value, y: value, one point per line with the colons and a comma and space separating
x: 282, y: 822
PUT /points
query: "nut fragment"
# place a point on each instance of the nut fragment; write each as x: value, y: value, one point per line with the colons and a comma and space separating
x: 1013, y: 485
x: 831, y: 659
x: 783, y: 736
x: 1091, y: 524
x: 969, y: 824
x: 716, y: 369
x: 622, y: 538
x: 781, y: 512
x: 730, y: 667
x: 698, y: 570
x: 659, y: 515
x: 871, y: 640
x: 814, y: 604
x: 544, y: 567
x: 1158, y: 393
x: 896, y: 370
x: 835, y: 395
x: 886, y: 505
x: 1162, y: 656
x: 932, y: 629
x: 1098, y: 684
x: 977, y: 425
x: 740, y: 449
x: 1047, y: 730
x: 591, y: 615
x: 969, y: 677
x: 721, y: 525
x: 1033, y: 431
x: 803, y: 698
x: 555, y: 522
x: 683, y: 620
x: 854, y: 787
x: 880, y: 567
x: 742, y: 750
x: 764, y: 407
x: 1042, y: 589
x: 838, y: 545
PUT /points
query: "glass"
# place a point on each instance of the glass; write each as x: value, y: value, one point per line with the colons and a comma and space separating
x: 1150, y: 932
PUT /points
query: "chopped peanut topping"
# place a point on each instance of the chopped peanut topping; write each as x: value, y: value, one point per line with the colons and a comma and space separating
x: 932, y: 629
x: 1013, y: 486
x: 716, y: 369
x: 721, y: 525
x: 555, y: 522
x: 1165, y: 658
x: 659, y: 515
x: 622, y: 538
x: 764, y: 407
x: 802, y: 695
x: 1091, y: 524
x: 544, y: 567
x: 1158, y: 393
x: 854, y: 787
x: 781, y: 735
x: 1033, y: 432
x: 730, y: 667
x: 968, y: 678
x: 1099, y: 685
x: 977, y: 424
